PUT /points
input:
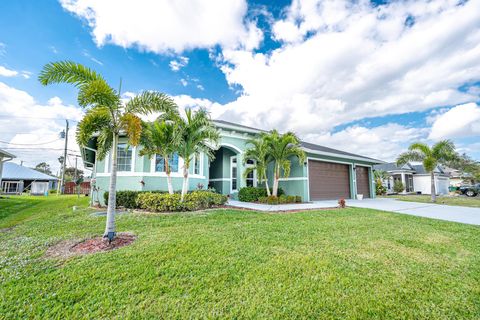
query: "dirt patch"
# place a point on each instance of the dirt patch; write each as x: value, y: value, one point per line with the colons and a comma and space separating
x: 69, y: 248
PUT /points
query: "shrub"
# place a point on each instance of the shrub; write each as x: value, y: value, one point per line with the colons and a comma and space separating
x: 272, y: 200
x: 298, y: 199
x: 252, y: 194
x: 398, y: 186
x: 282, y: 199
x: 263, y: 199
x: 341, y: 203
x: 380, y: 190
x: 127, y: 198
x: 196, y: 200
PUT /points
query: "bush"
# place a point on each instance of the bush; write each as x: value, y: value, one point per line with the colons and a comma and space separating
x: 398, y: 186
x: 196, y: 200
x: 380, y: 190
x: 341, y: 203
x: 127, y: 198
x: 298, y: 199
x: 280, y: 200
x: 252, y: 194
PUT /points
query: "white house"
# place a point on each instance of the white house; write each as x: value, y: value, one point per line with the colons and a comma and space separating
x: 4, y: 157
x: 414, y: 178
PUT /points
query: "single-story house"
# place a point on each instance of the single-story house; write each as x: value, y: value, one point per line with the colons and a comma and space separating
x: 326, y: 173
x: 4, y: 157
x: 457, y: 177
x: 414, y: 178
x: 17, y: 179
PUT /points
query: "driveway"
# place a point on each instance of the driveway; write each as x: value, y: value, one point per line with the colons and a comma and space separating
x: 428, y: 210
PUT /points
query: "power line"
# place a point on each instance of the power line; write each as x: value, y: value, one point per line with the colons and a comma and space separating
x: 33, y: 149
x: 29, y: 144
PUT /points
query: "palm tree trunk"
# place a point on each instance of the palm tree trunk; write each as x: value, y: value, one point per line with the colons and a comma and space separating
x: 185, y: 182
x: 434, y: 196
x: 275, y: 182
x: 266, y: 186
x: 169, y: 178
x: 112, y: 196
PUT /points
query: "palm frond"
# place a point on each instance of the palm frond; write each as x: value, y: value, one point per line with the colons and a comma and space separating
x: 444, y: 151
x: 420, y: 147
x: 67, y: 72
x: 408, y: 156
x: 95, y: 120
x: 98, y: 92
x: 152, y: 101
x: 132, y: 125
x: 104, y: 143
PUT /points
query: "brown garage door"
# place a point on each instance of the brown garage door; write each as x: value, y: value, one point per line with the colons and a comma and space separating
x: 362, y: 181
x: 328, y: 180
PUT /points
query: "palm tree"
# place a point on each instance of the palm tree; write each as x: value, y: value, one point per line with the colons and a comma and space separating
x: 106, y: 116
x: 282, y: 147
x: 380, y: 176
x: 197, y: 134
x: 161, y: 137
x: 439, y: 153
x: 259, y: 153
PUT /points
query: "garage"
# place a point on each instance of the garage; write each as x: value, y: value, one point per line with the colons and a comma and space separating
x: 363, y: 186
x: 328, y: 180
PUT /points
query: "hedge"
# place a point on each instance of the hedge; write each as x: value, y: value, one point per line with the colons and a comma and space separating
x: 280, y: 200
x: 252, y: 194
x: 127, y: 198
x: 195, y: 200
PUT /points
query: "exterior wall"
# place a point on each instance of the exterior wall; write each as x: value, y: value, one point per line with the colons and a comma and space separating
x: 422, y: 183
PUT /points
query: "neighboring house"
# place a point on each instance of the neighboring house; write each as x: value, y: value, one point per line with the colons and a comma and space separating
x: 17, y: 179
x: 457, y: 177
x: 326, y: 173
x: 4, y: 157
x: 414, y: 178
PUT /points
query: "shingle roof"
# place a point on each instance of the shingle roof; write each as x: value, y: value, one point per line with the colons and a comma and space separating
x: 307, y: 145
x: 392, y: 166
x: 13, y: 171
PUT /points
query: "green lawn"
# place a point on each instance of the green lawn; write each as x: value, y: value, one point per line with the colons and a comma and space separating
x: 350, y: 263
x: 448, y: 200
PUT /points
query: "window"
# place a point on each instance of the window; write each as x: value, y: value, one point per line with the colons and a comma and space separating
x: 172, y: 162
x: 250, y: 180
x: 233, y: 163
x: 196, y: 164
x: 124, y: 157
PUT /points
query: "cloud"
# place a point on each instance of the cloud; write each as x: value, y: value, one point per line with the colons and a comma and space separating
x: 176, y: 65
x: 89, y: 56
x: 459, y: 121
x: 25, y: 124
x: 166, y: 26
x: 7, y: 72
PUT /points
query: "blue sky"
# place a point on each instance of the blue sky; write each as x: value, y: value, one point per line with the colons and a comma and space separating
x: 365, y: 77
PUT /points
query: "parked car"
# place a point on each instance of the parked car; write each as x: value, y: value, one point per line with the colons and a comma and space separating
x: 470, y: 191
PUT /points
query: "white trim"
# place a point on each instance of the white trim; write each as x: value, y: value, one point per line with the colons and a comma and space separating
x: 153, y: 166
x: 228, y: 145
x: 219, y: 179
x: 325, y: 160
x: 149, y: 174
x: 235, y: 127
x: 254, y: 172
x: 134, y: 157
x: 337, y: 155
x: 231, y: 174
x: 293, y: 178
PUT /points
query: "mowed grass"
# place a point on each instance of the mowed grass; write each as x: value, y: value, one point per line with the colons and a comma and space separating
x: 345, y: 264
x: 447, y: 200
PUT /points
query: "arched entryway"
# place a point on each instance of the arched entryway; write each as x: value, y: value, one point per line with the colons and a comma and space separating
x: 225, y: 171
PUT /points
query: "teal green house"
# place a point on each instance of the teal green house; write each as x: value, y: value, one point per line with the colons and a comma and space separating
x: 326, y: 174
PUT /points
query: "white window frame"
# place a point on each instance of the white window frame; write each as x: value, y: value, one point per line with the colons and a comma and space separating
x: 231, y: 174
x: 153, y: 165
x: 254, y: 172
x: 109, y: 157
x: 200, y: 164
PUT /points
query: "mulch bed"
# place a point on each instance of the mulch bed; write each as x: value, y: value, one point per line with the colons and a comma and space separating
x: 69, y: 248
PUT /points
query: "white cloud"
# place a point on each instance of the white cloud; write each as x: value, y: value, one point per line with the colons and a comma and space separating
x: 176, y: 65
x: 184, y: 82
x: 26, y: 125
x: 459, y: 121
x: 7, y: 72
x: 164, y: 26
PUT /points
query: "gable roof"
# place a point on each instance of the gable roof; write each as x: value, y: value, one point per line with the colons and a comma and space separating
x: 392, y: 166
x: 307, y: 146
x: 13, y: 171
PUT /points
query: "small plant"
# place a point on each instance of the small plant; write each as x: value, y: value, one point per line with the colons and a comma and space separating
x: 200, y: 186
x: 272, y: 200
x: 298, y: 199
x: 342, y: 203
x: 380, y: 189
x: 398, y: 186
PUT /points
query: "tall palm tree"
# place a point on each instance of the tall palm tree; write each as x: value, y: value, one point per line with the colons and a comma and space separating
x: 106, y: 116
x: 197, y: 134
x: 439, y: 153
x: 282, y: 147
x: 161, y: 137
x: 259, y: 153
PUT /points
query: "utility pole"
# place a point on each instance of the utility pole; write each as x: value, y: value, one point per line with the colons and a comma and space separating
x: 62, y: 179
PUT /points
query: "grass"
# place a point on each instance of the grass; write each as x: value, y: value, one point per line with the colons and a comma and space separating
x: 447, y: 200
x: 351, y: 263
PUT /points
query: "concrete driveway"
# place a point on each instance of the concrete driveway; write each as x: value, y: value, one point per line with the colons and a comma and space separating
x: 428, y: 210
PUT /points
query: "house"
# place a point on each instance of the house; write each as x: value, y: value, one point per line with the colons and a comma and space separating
x: 17, y: 179
x: 457, y: 177
x: 4, y: 157
x: 326, y: 173
x: 414, y: 177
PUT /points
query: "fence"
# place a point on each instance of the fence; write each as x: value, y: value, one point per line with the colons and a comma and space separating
x: 71, y: 188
